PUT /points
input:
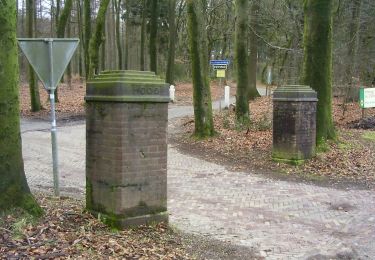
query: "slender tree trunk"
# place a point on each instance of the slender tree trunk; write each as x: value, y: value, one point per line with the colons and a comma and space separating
x: 103, y: 62
x: 106, y: 54
x: 172, y: 42
x: 58, y: 8
x: 204, y: 126
x: 242, y: 103
x: 253, y: 57
x: 62, y: 21
x: 87, y: 34
x: 97, y: 38
x: 64, y: 18
x: 318, y: 62
x: 13, y: 185
x: 127, y: 23
x: 112, y: 40
x: 154, y: 35
x: 143, y: 35
x: 69, y: 68
x: 82, y: 39
x: 118, y: 33
x: 33, y: 83
x: 352, y: 52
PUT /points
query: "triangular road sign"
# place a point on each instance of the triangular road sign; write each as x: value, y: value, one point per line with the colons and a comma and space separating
x: 49, y: 57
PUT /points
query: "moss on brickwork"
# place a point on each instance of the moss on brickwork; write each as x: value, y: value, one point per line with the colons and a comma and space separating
x: 115, y: 221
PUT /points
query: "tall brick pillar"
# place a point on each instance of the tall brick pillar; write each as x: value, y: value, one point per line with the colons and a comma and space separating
x: 126, y: 151
x: 294, y: 123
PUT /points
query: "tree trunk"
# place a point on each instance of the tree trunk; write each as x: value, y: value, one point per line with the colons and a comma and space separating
x: 33, y: 82
x: 81, y: 36
x: 118, y: 34
x: 103, y: 62
x: 97, y: 38
x: 62, y: 21
x: 153, y: 35
x: 242, y: 103
x: 133, y: 36
x: 87, y: 34
x: 58, y: 8
x: 318, y: 62
x: 172, y: 42
x: 64, y: 18
x: 127, y: 26
x: 204, y: 126
x: 352, y: 94
x: 143, y: 35
x: 13, y: 185
x: 69, y: 68
x: 253, y: 57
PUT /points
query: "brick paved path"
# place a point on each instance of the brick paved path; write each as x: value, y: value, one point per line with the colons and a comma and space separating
x: 283, y: 220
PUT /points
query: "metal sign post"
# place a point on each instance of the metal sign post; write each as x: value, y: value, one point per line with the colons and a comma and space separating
x: 49, y: 59
x: 220, y: 66
x: 269, y: 80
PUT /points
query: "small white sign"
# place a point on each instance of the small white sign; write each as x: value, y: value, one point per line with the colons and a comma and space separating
x: 367, y: 97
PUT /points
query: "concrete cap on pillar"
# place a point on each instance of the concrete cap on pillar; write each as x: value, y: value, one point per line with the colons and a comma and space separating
x: 127, y: 86
x: 295, y: 93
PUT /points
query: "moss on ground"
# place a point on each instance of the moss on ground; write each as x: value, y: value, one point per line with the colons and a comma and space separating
x: 370, y: 136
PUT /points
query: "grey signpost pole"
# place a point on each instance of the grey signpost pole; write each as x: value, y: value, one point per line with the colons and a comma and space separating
x: 55, y: 158
x: 49, y: 58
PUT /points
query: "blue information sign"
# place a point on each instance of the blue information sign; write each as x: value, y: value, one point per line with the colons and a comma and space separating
x: 219, y: 62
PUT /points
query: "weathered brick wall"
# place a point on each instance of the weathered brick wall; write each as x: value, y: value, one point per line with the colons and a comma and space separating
x: 294, y: 130
x: 126, y: 158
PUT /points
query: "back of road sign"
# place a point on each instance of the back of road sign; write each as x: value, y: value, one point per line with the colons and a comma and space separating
x: 49, y: 58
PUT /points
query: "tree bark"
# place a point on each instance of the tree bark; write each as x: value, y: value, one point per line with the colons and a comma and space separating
x: 143, y: 35
x: 62, y: 21
x: 172, y: 42
x: 97, y: 38
x: 253, y: 57
x: 33, y: 82
x: 64, y: 18
x: 242, y: 103
x: 204, y: 126
x: 153, y: 35
x: 81, y: 36
x: 13, y: 185
x: 318, y: 62
x: 352, y: 52
x: 57, y: 14
x: 87, y: 34
x: 118, y: 34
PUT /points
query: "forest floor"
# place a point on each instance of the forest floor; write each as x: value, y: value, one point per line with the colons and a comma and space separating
x: 348, y: 160
x: 66, y: 232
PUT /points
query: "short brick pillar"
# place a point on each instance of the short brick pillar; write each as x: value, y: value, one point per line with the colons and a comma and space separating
x: 294, y: 123
x: 126, y: 150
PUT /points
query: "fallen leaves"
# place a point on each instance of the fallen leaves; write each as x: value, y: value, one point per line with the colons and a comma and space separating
x: 65, y: 232
x: 72, y: 103
x: 350, y: 158
x: 184, y: 92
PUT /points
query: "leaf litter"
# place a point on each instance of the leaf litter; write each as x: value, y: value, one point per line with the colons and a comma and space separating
x: 350, y: 158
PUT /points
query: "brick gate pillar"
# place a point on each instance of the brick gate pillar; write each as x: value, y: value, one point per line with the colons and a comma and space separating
x: 126, y: 150
x: 294, y: 123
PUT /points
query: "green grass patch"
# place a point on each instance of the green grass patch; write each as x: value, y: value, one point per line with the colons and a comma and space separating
x: 370, y: 136
x: 20, y: 220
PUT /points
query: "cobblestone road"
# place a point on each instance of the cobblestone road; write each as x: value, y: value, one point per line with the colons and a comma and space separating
x: 283, y: 220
